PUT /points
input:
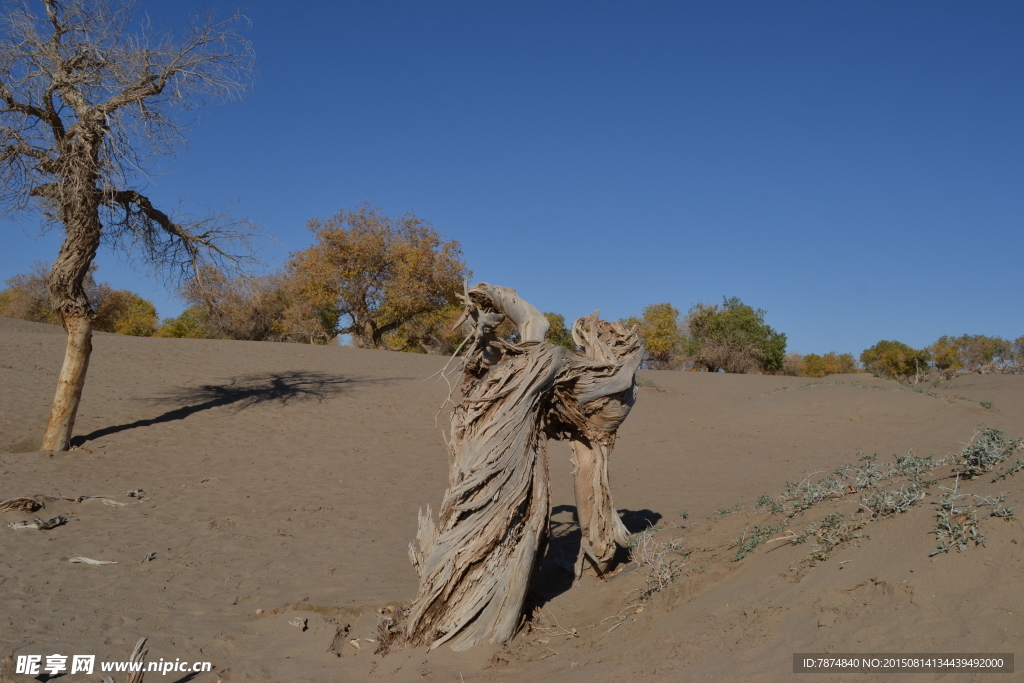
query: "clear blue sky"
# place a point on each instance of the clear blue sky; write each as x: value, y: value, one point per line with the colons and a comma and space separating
x: 854, y: 168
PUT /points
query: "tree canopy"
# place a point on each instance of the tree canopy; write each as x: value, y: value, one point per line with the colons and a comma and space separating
x: 895, y: 359
x: 662, y: 336
x: 733, y: 337
x: 377, y: 272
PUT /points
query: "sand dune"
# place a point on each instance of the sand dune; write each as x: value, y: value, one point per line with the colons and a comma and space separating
x: 286, y: 478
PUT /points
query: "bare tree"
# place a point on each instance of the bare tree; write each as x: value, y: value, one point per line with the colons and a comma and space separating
x: 89, y: 97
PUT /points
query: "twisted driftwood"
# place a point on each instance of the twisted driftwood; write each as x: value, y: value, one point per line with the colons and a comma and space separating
x: 475, y: 565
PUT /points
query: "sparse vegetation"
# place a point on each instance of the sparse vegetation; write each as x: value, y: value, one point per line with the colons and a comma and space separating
x: 957, y: 526
x: 1013, y: 469
x: 650, y: 384
x: 831, y: 532
x: 750, y: 538
x: 874, y: 387
x: 656, y: 558
x: 722, y: 512
x: 987, y: 449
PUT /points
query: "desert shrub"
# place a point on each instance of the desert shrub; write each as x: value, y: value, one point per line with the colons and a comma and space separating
x: 1016, y: 467
x: 831, y: 363
x: 987, y: 449
x: 116, y: 310
x: 658, y: 559
x: 662, y: 336
x: 188, y: 325
x: 831, y: 532
x: 956, y: 525
x: 896, y: 360
x: 896, y: 501
x: 733, y: 338
x: 793, y: 365
x: 226, y: 306
x: 751, y: 538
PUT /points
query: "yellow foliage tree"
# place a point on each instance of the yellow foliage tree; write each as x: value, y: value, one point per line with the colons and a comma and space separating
x: 831, y: 363
x: 377, y: 273
x: 125, y: 312
x: 896, y: 360
x: 661, y: 334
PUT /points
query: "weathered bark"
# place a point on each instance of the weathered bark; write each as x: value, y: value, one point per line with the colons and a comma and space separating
x: 80, y: 213
x: 61, y: 424
x: 475, y: 566
x: 601, y: 530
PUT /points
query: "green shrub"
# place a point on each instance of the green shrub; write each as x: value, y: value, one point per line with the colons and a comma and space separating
x: 733, y: 338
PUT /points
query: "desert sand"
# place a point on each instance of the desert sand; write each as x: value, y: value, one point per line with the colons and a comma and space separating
x: 286, y: 478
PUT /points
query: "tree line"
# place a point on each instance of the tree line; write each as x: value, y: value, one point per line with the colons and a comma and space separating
x: 394, y: 283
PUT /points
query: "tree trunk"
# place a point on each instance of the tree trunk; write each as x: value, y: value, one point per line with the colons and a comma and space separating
x: 476, y: 564
x: 79, y: 209
x: 601, y: 530
x: 69, y: 387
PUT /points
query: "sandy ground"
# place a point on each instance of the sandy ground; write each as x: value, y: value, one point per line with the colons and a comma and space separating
x: 286, y: 478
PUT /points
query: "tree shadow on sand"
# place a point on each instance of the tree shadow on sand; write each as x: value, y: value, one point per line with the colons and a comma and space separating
x: 239, y: 393
x: 556, y: 572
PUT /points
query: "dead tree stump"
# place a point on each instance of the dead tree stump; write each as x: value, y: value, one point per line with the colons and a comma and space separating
x: 475, y: 566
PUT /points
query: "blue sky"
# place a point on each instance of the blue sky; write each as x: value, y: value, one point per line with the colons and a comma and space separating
x: 855, y: 169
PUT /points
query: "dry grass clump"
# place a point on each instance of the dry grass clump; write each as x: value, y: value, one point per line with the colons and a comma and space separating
x: 656, y: 557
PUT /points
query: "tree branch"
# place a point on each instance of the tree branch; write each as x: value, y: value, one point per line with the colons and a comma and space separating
x: 175, y: 243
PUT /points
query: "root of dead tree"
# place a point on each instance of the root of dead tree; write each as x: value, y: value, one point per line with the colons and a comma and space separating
x: 476, y: 564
